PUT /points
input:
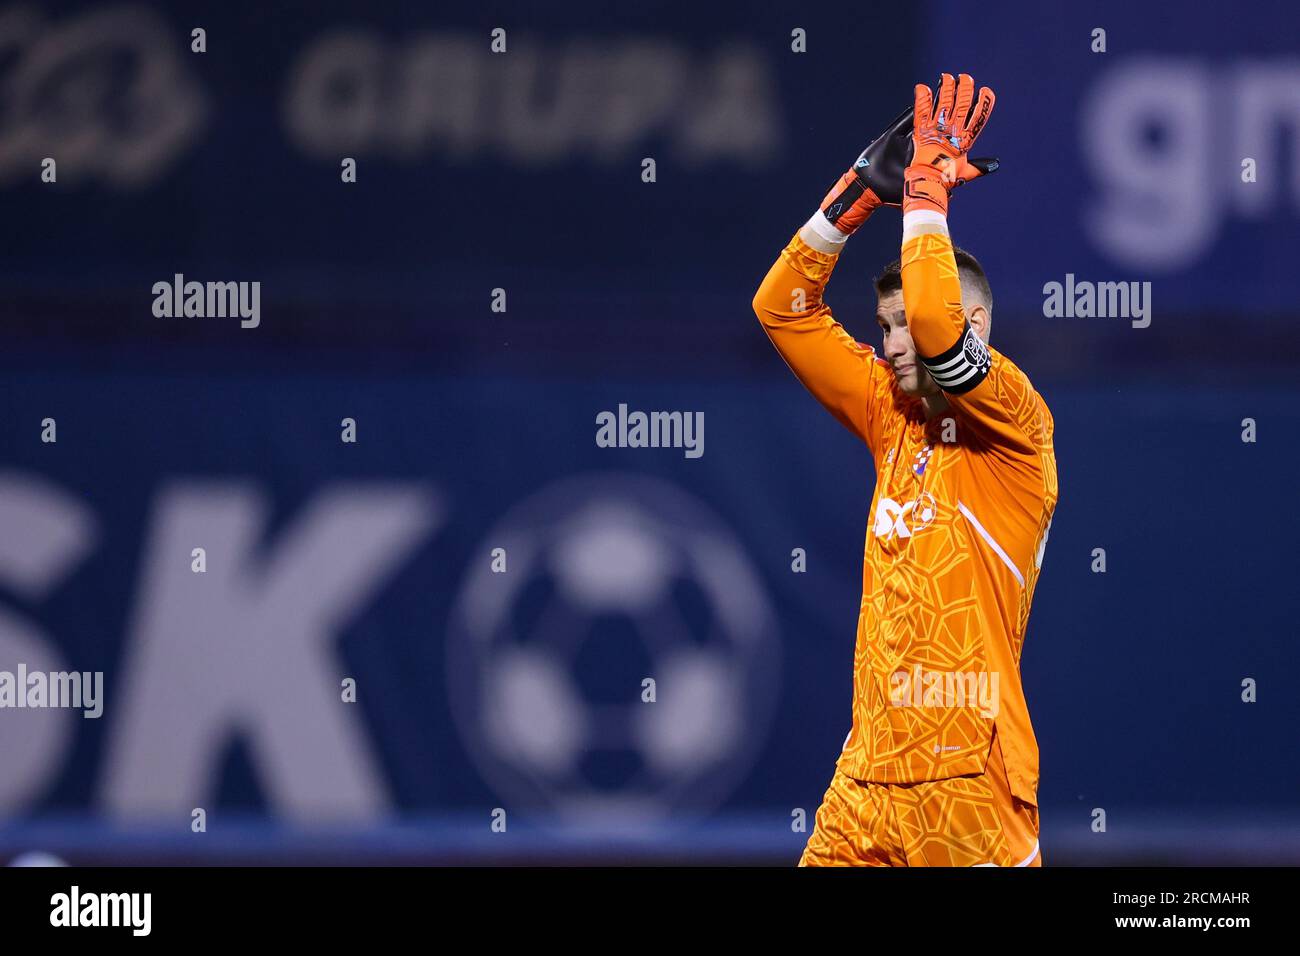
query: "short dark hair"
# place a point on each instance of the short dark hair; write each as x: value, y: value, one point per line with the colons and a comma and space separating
x: 968, y: 269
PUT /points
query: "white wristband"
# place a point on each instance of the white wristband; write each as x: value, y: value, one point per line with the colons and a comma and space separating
x: 923, y: 220
x: 821, y: 235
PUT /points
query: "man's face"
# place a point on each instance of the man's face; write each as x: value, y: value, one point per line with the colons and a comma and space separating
x: 898, y: 350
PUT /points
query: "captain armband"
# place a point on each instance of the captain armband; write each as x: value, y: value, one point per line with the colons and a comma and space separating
x: 963, y: 366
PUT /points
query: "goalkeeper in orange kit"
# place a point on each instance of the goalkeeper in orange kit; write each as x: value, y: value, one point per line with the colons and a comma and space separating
x: 940, y: 767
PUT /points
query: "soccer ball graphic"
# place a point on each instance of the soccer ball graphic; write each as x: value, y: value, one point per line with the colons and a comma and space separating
x: 616, y: 589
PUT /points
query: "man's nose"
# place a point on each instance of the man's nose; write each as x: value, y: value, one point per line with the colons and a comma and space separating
x: 895, y: 347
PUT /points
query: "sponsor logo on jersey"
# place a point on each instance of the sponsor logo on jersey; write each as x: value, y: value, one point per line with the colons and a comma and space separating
x: 906, y: 519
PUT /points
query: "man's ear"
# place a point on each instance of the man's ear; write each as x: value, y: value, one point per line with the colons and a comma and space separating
x: 978, y: 317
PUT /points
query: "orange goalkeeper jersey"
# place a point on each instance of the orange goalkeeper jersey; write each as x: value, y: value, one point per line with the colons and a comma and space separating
x: 959, y: 520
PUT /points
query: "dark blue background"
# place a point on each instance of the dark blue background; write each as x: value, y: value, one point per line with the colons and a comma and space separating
x: 375, y: 305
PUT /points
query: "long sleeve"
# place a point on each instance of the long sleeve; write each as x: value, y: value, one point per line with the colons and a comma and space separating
x: 982, y: 385
x: 932, y: 292
x: 843, y: 375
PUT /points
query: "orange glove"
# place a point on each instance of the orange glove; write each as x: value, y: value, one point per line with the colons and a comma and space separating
x: 942, y: 134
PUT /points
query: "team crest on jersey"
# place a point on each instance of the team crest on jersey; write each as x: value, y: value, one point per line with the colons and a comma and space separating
x: 922, y: 459
x: 906, y: 519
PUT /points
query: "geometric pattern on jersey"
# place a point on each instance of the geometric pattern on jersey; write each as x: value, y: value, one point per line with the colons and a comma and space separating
x: 960, y: 821
x: 955, y: 529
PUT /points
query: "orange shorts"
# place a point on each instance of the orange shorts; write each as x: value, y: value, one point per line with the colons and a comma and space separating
x: 961, y: 821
